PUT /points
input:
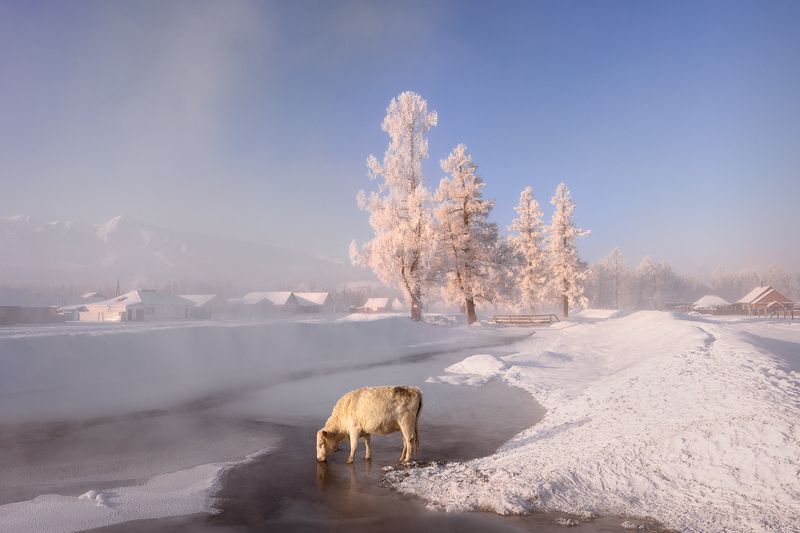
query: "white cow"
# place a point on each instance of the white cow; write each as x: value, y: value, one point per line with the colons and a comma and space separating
x: 378, y: 410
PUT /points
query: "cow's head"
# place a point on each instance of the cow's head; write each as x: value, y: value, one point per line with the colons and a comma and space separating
x: 326, y: 445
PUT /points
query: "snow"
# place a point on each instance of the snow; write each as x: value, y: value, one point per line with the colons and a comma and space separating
x: 312, y: 298
x: 474, y: 370
x: 690, y: 421
x: 751, y: 296
x: 378, y: 303
x: 711, y: 300
x: 106, y: 229
x: 199, y: 299
x: 174, y: 494
x: 147, y: 297
x: 276, y: 298
x: 593, y: 313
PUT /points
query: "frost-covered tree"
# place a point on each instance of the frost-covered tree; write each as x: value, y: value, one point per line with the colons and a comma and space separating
x: 527, y: 242
x: 468, y: 241
x: 646, y: 275
x: 614, y: 264
x: 567, y: 276
x: 399, y: 213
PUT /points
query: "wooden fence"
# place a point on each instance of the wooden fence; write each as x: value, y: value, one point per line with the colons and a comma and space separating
x: 524, y: 320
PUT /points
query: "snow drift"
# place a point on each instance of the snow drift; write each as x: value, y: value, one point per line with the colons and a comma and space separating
x: 691, y: 422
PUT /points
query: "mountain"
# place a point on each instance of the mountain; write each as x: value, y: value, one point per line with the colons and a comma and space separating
x: 139, y: 254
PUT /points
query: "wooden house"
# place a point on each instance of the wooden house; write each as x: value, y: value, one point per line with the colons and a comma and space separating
x: 765, y: 301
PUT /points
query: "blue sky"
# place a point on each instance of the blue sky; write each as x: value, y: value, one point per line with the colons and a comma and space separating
x: 675, y: 124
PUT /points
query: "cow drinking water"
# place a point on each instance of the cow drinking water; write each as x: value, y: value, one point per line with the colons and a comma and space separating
x: 372, y: 410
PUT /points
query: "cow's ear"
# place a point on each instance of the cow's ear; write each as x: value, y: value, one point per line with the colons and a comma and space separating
x: 324, y: 433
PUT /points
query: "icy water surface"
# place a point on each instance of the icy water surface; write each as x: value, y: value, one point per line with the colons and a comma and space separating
x: 287, y: 490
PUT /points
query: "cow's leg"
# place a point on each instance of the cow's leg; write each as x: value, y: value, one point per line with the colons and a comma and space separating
x: 416, y: 437
x: 353, y: 445
x: 369, y: 450
x: 406, y: 456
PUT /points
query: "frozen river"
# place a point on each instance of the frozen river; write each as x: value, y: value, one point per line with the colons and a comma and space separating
x: 285, y: 488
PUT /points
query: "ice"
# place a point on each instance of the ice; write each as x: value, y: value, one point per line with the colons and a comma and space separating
x: 174, y: 494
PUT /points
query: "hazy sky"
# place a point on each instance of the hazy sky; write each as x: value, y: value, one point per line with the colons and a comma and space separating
x: 675, y: 124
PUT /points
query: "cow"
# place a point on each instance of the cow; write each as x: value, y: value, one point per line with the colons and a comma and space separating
x: 372, y: 410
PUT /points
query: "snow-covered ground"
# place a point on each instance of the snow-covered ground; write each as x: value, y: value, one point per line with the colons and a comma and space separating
x: 174, y: 494
x: 692, y: 421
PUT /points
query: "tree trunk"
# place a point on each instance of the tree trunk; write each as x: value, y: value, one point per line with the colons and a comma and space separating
x: 565, y: 306
x: 416, y: 307
x: 471, y: 316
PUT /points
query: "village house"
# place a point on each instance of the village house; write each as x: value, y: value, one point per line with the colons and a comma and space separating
x: 314, y: 302
x: 263, y: 303
x: 138, y: 305
x: 765, y: 301
x: 205, y: 305
x: 72, y: 311
x: 381, y: 305
x: 711, y: 303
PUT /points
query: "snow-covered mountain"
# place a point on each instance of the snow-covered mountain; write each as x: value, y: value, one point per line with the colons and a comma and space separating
x: 138, y: 253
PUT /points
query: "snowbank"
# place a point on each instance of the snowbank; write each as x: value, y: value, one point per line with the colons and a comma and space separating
x: 81, y: 372
x: 593, y: 313
x: 693, y: 423
x: 474, y: 370
x: 176, y: 494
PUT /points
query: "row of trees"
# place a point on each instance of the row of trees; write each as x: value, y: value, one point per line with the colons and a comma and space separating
x: 651, y: 284
x: 443, y: 244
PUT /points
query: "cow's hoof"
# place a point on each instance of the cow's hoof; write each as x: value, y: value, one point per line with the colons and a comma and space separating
x: 349, y: 461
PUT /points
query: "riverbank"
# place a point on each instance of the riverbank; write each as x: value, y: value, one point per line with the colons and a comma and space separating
x: 688, y: 420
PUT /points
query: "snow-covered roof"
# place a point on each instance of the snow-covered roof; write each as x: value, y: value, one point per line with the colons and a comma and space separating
x: 23, y: 298
x: 148, y: 297
x: 199, y: 299
x: 711, y: 300
x: 275, y: 298
x: 93, y: 294
x: 306, y: 299
x: 753, y: 295
x: 377, y: 302
x: 73, y: 307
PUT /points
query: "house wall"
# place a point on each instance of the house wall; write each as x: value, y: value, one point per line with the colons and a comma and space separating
x: 119, y: 312
x: 166, y: 311
x: 102, y: 313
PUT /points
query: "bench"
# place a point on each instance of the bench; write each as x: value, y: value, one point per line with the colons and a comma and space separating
x: 525, y: 320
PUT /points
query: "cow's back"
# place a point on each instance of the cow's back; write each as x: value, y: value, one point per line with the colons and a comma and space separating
x: 379, y: 410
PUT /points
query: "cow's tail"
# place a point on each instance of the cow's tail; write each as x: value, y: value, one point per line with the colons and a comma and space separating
x: 415, y: 442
